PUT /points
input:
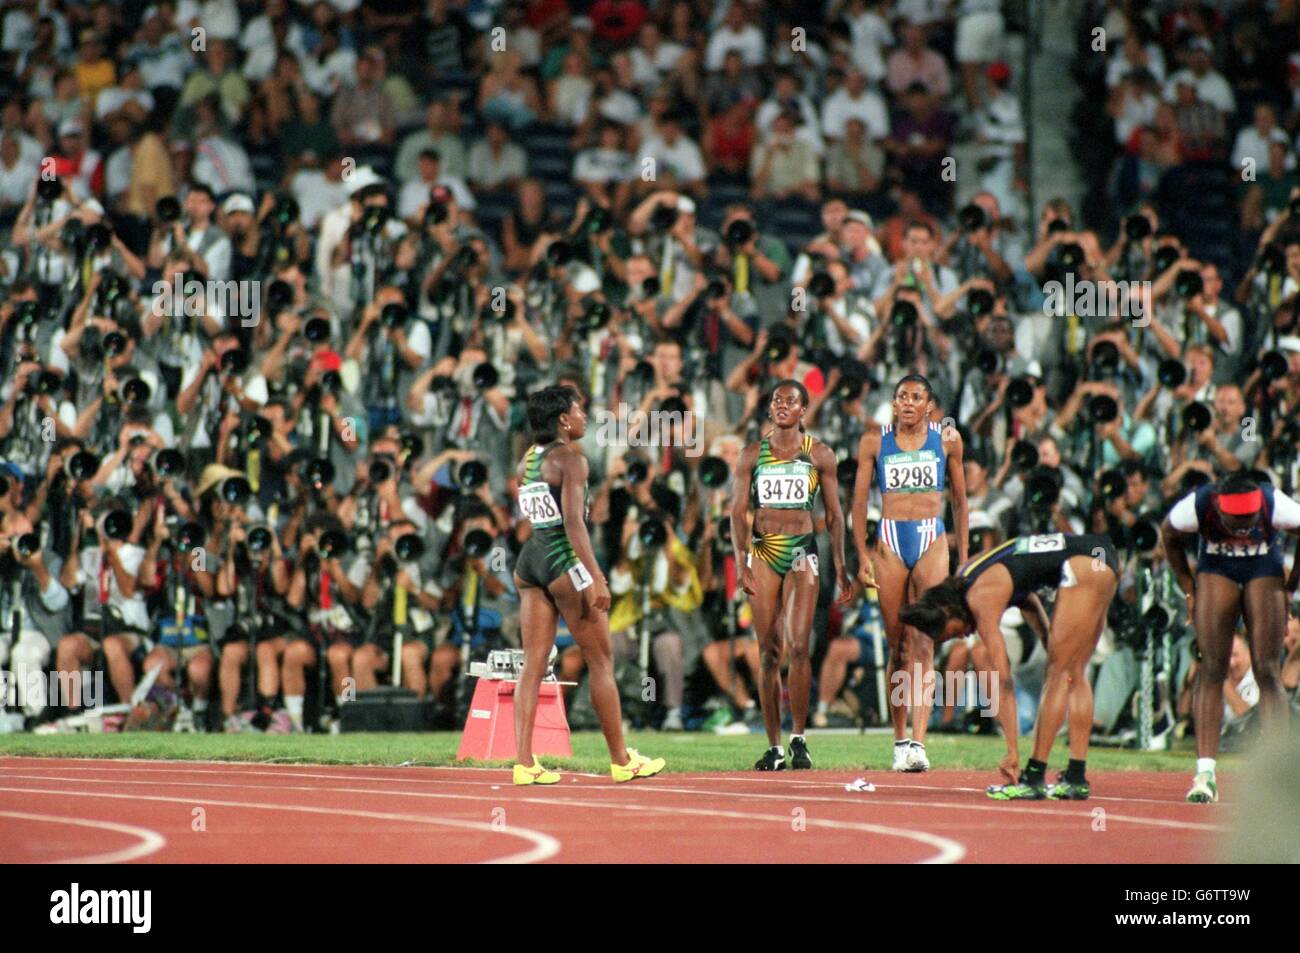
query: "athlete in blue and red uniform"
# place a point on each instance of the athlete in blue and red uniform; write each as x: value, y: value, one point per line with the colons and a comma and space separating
x: 910, y: 459
x: 1238, y: 576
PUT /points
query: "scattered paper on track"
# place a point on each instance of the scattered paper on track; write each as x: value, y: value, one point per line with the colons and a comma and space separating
x: 860, y: 786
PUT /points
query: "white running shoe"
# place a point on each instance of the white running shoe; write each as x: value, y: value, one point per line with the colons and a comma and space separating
x: 916, y: 759
x: 901, y: 752
x: 1205, y: 789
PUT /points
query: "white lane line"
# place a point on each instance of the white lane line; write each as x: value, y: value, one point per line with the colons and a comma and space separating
x: 1002, y: 808
x: 544, y: 845
x: 948, y: 851
x: 149, y: 841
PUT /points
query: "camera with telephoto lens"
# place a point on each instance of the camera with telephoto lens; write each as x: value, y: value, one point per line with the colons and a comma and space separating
x: 979, y: 302
x: 717, y: 289
x: 846, y: 472
x: 503, y: 315
x: 652, y: 533
x: 821, y: 285
x: 1272, y: 366
x: 168, y: 209
x: 332, y: 544
x: 28, y: 544
x: 234, y: 490
x: 651, y: 286
x: 318, y: 472
x: 1102, y: 408
x: 972, y: 218
x: 478, y: 543
x: 73, y: 235
x: 114, y: 525
x: 1104, y: 360
x: 853, y: 378
x: 1043, y: 487
x: 637, y: 471
x: 1272, y: 259
x: 98, y: 237
x: 436, y: 213
x: 279, y: 298
x: 412, y: 444
x: 1024, y: 456
x: 168, y: 463
x: 465, y: 258
x: 990, y: 362
x: 28, y: 313
x: 595, y: 315
x: 1196, y: 417
x: 1069, y: 257
x: 663, y: 218
x: 903, y: 314
x: 233, y: 361
x: 316, y: 330
x: 381, y: 469
x: 393, y: 315
x: 597, y: 220
x: 190, y: 536
x: 135, y: 391
x: 43, y: 382
x: 1188, y: 283
x: 780, y: 341
x: 471, y: 475
x: 1137, y: 227
x: 1113, y: 484
x: 713, y: 472
x: 82, y: 465
x: 739, y: 232
x: 1020, y: 392
x: 559, y: 253
x: 1144, y: 535
x: 374, y: 218
x: 1171, y: 373
x: 485, y: 375
x: 49, y: 190
x: 285, y: 211
x: 1164, y: 258
x: 408, y: 547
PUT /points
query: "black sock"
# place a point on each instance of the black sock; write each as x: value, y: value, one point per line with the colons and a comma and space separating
x: 1074, y: 772
x: 1033, y: 773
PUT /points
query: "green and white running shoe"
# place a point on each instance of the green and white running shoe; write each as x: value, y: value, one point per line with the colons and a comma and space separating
x: 1204, y: 789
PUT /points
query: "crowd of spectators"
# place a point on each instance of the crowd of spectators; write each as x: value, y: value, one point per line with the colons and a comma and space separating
x: 279, y: 277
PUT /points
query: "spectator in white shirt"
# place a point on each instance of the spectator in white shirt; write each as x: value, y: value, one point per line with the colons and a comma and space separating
x: 678, y: 162
x: 319, y: 190
x: 786, y: 95
x: 1210, y: 85
x: 737, y: 33
x: 871, y: 37
x: 129, y: 96
x: 441, y: 120
x: 1133, y: 55
x: 415, y: 194
x: 496, y: 163
x: 855, y: 100
x: 653, y: 57
x: 16, y: 177
x: 604, y: 171
x: 1253, y: 141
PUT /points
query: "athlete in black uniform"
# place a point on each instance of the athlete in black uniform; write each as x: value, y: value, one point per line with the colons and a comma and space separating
x: 1085, y: 571
x: 557, y: 574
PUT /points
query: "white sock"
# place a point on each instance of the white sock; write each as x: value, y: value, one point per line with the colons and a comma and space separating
x: 200, y: 705
x: 821, y: 707
x: 780, y: 751
x: 340, y: 699
x: 293, y: 704
x: 800, y: 737
x: 918, y: 744
x: 1204, y: 764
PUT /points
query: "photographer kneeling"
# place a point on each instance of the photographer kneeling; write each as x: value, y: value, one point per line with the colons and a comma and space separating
x: 34, y: 607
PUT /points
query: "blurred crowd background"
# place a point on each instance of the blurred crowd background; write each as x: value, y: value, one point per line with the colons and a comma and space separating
x: 277, y: 279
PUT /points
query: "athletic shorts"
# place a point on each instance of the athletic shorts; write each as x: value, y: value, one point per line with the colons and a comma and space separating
x: 1242, y: 569
x: 542, y: 561
x: 910, y: 539
x: 784, y: 552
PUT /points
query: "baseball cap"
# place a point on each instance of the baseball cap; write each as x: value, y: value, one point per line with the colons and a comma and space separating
x: 685, y: 205
x: 239, y: 202
x: 213, y: 474
x: 70, y: 127
x: 859, y: 216
x: 12, y: 470
x: 1289, y: 342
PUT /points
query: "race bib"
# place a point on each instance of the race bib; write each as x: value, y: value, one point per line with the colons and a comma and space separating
x: 537, y: 505
x: 580, y: 577
x: 783, y: 486
x: 916, y: 472
x: 1236, y: 550
x: 1049, y: 543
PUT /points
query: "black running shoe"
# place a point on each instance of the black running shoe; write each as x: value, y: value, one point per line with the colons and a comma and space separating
x: 800, y: 759
x: 772, y: 760
x: 1064, y: 790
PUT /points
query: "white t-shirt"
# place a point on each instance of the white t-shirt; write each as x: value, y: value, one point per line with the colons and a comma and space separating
x: 1211, y: 88
x: 841, y: 107
x: 683, y: 158
x: 871, y: 37
x: 130, y: 556
x: 1286, y: 513
x: 748, y: 42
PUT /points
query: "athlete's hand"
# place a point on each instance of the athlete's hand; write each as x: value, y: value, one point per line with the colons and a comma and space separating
x: 846, y: 588
x: 747, y: 581
x: 600, y: 594
x: 1009, y: 766
x: 867, y: 576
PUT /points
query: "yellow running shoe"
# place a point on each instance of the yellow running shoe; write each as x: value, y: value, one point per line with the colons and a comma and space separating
x: 638, y: 766
x: 535, y: 775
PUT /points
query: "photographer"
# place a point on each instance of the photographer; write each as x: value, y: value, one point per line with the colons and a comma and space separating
x: 389, y: 347
x: 102, y: 567
x: 664, y: 226
x: 383, y: 493
x: 846, y: 316
x: 477, y: 590
x: 471, y: 413
x: 656, y: 589
x: 1187, y: 297
x: 400, y: 562
x: 34, y: 609
x: 1224, y: 439
x: 221, y: 383
x: 916, y: 269
x: 193, y: 238
x: 984, y: 246
x: 1100, y: 429
x: 32, y: 414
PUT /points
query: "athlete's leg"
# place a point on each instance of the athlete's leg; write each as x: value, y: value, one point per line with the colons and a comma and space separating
x: 1077, y: 621
x: 1265, y: 609
x: 799, y: 601
x: 891, y: 578
x: 591, y: 632
x: 537, y: 632
x: 930, y: 570
x: 766, y: 604
x: 840, y: 654
x: 1218, y: 606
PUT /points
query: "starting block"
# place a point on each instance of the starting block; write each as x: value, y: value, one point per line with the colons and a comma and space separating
x: 489, y: 733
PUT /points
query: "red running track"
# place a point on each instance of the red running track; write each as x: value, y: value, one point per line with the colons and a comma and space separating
x: 92, y: 810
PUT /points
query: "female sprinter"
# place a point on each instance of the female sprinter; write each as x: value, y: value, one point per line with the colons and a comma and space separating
x: 557, y: 574
x: 778, y: 478
x: 910, y: 459
x: 1238, y: 575
x: 1085, y: 572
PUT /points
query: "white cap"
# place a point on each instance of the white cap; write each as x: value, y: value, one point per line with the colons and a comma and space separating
x: 364, y: 176
x: 1290, y: 343
x: 685, y: 205
x: 70, y: 127
x: 239, y: 202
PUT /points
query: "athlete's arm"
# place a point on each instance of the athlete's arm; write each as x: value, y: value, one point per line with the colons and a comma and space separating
x: 957, y: 481
x: 740, y: 514
x: 1178, y: 526
x: 867, y: 450
x: 573, y: 471
x: 824, y: 458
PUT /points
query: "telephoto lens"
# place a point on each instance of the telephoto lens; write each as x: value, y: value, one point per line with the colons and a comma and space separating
x: 740, y: 231
x: 1113, y: 483
x: 663, y: 218
x: 1272, y: 365
x: 259, y: 539
x: 393, y: 315
x: 1197, y: 416
x: 980, y: 301
x: 637, y: 471
x: 713, y: 472
x: 116, y: 524
x: 316, y: 330
x: 846, y: 472
x: 478, y: 543
x: 486, y: 376
x: 235, y: 490
x: 1137, y: 227
x: 1102, y: 408
x: 1043, y: 487
x: 190, y: 536
x: 82, y: 465
x: 821, y: 284
x: 408, y: 547
x: 380, y: 471
x: 972, y: 217
x: 332, y: 543
x: 1171, y: 373
x: 1145, y: 535
x: 1024, y: 456
x: 168, y: 209
x: 471, y: 475
x: 318, y: 472
x: 652, y: 533
x: 27, y: 544
x: 1020, y: 392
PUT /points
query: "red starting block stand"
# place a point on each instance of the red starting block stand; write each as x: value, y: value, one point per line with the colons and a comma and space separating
x: 490, y: 728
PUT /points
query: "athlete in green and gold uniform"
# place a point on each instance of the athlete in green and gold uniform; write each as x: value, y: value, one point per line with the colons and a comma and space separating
x: 778, y: 479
